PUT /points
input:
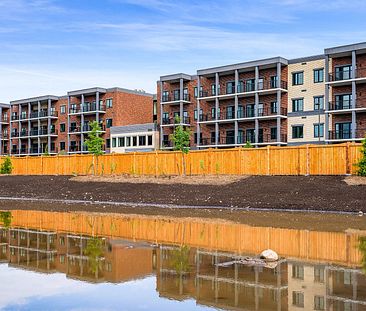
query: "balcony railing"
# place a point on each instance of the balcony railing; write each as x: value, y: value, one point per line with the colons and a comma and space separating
x: 167, y: 143
x: 244, y: 88
x: 243, y: 139
x: 85, y: 128
x: 168, y: 98
x: 347, y: 75
x: 87, y: 108
x: 167, y: 121
x: 14, y: 117
x: 347, y: 104
x: 346, y: 134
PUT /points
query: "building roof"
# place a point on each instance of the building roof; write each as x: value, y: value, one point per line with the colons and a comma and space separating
x: 306, y: 59
x: 34, y: 99
x: 346, y: 49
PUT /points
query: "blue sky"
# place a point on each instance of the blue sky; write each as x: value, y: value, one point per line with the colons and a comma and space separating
x: 53, y: 46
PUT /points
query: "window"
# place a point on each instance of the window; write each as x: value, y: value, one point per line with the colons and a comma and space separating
x: 109, y: 102
x: 196, y: 116
x: 73, y: 108
x: 298, y: 131
x: 134, y: 141
x: 319, y: 274
x: 273, y: 133
x: 213, y: 89
x: 62, y: 145
x: 318, y: 302
x: 62, y: 240
x: 165, y: 96
x: 142, y: 140
x: 62, y: 259
x: 260, y: 83
x: 109, y: 123
x: 230, y: 114
x: 240, y: 112
x: 149, y: 140
x: 72, y: 126
x: 250, y: 85
x: 343, y: 101
x: 128, y: 141
x: 114, y: 142
x: 298, y: 78
x: 319, y: 130
x: 318, y: 75
x: 318, y: 102
x: 63, y: 109
x: 250, y: 110
x: 195, y: 92
x: 343, y: 72
x: 121, y: 141
x: 260, y: 110
x: 274, y: 108
x: 62, y: 127
x: 274, y: 80
x: 176, y: 94
x: 297, y: 104
x: 108, y: 143
x: 298, y: 299
x: 230, y: 87
x: 195, y: 138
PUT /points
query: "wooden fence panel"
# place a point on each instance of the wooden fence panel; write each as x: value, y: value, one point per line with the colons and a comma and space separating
x: 338, y: 159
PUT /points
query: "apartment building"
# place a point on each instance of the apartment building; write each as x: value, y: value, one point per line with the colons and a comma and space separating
x: 306, y: 114
x: 52, y: 124
x: 310, y: 100
x: 4, y: 127
x: 345, y: 93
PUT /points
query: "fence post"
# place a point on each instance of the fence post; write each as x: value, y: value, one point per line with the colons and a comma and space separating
x: 134, y: 163
x: 348, y: 162
x: 156, y: 163
x: 307, y: 160
x: 268, y: 161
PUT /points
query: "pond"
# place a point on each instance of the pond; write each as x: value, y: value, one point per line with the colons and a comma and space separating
x: 86, y: 261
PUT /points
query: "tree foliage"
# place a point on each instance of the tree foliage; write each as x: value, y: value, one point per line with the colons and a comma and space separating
x: 181, y: 140
x: 6, y: 167
x: 95, y: 144
x: 362, y: 163
x: 248, y: 145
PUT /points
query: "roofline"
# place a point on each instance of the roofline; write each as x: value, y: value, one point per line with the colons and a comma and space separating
x: 3, y: 105
x: 175, y: 77
x: 255, y: 63
x: 136, y: 92
x: 306, y: 59
x: 87, y: 91
x: 34, y: 99
x: 345, y: 48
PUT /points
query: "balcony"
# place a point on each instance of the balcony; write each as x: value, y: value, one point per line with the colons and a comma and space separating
x: 4, y: 119
x: 43, y: 114
x: 84, y: 129
x: 167, y: 144
x: 173, y: 121
x: 347, y: 135
x: 344, y: 76
x: 88, y: 109
x: 346, y: 105
x: 244, y: 88
x: 243, y: 139
x: 175, y: 99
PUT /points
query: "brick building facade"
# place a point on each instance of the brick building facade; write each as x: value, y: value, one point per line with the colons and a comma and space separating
x: 52, y: 124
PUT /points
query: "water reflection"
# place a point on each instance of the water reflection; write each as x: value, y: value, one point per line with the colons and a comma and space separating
x: 5, y: 218
x: 362, y: 248
x: 185, y: 272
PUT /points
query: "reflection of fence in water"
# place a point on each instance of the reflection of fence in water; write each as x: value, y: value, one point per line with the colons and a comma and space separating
x: 335, y: 247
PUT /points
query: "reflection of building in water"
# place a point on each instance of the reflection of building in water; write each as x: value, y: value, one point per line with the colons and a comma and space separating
x: 188, y: 273
x: 79, y: 257
x: 235, y: 286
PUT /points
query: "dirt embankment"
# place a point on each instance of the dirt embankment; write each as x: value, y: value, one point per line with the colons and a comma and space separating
x: 326, y: 193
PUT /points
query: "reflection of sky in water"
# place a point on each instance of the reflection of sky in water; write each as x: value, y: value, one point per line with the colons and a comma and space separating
x: 24, y: 290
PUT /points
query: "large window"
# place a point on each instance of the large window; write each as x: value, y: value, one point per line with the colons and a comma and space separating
x: 343, y: 101
x: 297, y: 131
x: 230, y: 87
x: 114, y: 142
x: 298, y: 78
x: 109, y: 123
x: 273, y: 133
x: 297, y: 104
x: 318, y: 75
x: 63, y: 109
x: 319, y: 130
x: 62, y: 145
x: 274, y: 108
x: 343, y: 72
x: 318, y: 102
x: 319, y: 303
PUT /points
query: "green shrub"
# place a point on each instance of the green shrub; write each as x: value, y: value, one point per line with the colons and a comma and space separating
x: 362, y: 163
x: 248, y: 145
x: 6, y: 167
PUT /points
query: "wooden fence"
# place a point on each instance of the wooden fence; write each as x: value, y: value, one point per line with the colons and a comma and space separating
x: 301, y: 160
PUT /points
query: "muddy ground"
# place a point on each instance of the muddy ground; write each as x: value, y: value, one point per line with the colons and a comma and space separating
x: 325, y: 193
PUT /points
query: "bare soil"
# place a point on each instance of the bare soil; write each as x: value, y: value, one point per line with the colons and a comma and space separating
x: 163, y: 180
x: 355, y: 181
x: 322, y: 193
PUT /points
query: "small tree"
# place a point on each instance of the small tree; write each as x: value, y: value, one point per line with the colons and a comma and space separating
x: 362, y: 163
x: 6, y: 167
x: 248, y: 145
x: 181, y: 139
x: 95, y: 143
x: 46, y: 152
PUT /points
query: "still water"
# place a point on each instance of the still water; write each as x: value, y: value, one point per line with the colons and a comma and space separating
x: 79, y: 261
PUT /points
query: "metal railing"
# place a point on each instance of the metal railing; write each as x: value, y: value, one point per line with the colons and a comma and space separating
x: 347, y: 75
x: 184, y: 120
x: 347, y: 134
x: 168, y: 98
x: 94, y: 107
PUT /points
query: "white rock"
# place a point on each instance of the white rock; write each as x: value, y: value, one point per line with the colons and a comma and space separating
x: 269, y: 255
